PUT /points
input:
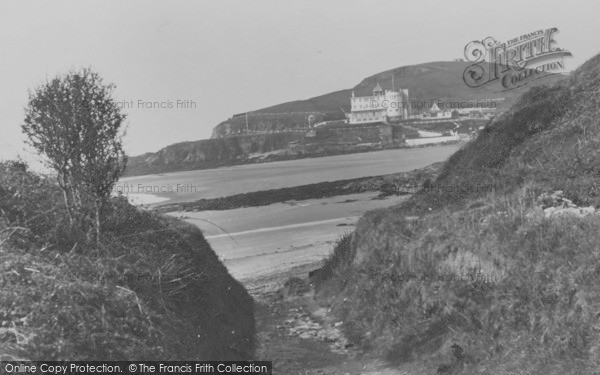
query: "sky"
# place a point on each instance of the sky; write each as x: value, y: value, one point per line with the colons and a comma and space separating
x: 229, y: 57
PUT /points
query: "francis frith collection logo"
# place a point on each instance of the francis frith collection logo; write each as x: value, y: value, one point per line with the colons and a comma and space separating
x: 516, y: 62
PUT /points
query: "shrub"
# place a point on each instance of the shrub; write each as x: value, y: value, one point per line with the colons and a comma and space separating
x: 338, y: 261
x: 75, y: 124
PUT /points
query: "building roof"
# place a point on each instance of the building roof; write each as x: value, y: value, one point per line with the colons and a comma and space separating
x: 435, y: 108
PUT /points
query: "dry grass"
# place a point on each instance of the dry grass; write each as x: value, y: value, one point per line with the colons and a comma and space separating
x: 529, y: 303
x: 153, y: 290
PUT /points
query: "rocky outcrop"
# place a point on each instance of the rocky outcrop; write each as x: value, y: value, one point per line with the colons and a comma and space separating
x: 207, y: 153
x: 556, y: 204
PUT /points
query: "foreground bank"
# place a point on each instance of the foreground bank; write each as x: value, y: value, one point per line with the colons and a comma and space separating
x: 500, y: 280
x: 153, y: 289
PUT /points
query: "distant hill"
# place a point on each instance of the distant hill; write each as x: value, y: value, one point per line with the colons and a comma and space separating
x: 426, y: 82
x: 441, y: 80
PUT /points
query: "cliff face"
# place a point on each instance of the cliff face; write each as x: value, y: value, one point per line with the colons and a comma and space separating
x: 321, y: 141
x: 207, y: 153
x: 273, y: 122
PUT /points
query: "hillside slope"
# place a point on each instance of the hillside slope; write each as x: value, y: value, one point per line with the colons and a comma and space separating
x: 489, y: 269
x: 441, y: 80
x: 152, y: 290
x: 230, y: 144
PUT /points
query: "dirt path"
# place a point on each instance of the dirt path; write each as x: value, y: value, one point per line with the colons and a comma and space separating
x: 300, y: 336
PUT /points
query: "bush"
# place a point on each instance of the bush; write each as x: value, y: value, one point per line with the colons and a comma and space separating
x: 32, y: 205
x: 338, y: 261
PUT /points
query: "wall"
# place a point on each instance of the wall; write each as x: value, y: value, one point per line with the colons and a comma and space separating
x: 348, y: 134
x: 425, y: 141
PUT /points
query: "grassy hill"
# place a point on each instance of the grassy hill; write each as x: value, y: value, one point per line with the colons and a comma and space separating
x: 425, y: 82
x: 474, y: 275
x: 442, y: 80
x: 153, y: 289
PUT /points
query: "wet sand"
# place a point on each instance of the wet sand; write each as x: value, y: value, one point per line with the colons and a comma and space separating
x: 257, y: 241
x: 212, y: 183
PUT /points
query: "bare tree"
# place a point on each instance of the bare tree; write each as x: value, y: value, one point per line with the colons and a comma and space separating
x: 75, y: 123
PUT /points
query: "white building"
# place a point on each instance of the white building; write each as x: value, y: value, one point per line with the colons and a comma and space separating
x: 436, y: 112
x: 383, y: 106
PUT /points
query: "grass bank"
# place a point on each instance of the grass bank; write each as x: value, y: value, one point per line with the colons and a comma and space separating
x: 480, y: 281
x: 153, y: 289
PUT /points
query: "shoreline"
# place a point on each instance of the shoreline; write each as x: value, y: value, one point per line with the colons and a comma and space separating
x: 401, y: 183
x: 272, y: 157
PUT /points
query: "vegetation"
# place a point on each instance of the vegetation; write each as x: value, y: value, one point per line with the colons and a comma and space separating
x: 150, y: 287
x: 481, y: 281
x: 74, y: 122
x: 153, y: 289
